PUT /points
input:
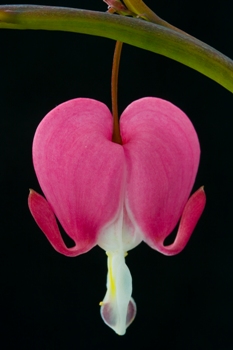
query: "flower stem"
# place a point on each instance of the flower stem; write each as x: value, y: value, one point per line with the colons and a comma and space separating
x: 142, y: 34
x: 116, y: 136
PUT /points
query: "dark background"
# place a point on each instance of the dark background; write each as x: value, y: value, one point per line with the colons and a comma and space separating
x: 50, y: 301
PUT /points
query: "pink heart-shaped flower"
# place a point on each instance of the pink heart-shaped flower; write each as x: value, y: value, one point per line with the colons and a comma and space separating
x: 116, y: 195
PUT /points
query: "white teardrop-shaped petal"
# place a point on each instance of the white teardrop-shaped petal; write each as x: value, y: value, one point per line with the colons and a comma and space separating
x: 118, y: 309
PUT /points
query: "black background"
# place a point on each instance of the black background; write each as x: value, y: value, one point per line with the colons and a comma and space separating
x: 50, y: 301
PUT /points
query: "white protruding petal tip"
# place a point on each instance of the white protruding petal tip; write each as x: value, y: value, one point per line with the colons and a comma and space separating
x: 109, y: 316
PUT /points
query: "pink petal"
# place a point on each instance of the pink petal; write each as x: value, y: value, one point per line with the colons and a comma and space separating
x: 190, y: 216
x: 80, y: 170
x: 162, y: 157
x: 45, y: 219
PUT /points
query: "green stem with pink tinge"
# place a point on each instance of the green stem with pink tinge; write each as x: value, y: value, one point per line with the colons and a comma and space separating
x: 134, y: 31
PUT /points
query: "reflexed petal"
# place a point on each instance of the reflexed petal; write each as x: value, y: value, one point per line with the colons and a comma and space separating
x: 190, y: 216
x: 45, y: 219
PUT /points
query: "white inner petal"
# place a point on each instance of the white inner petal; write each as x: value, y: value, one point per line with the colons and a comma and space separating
x: 118, y: 309
x: 120, y: 235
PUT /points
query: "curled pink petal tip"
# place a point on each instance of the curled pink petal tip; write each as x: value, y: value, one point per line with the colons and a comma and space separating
x: 189, y: 219
x: 44, y: 216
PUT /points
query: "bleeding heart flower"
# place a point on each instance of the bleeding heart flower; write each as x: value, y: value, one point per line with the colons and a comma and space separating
x: 112, y: 195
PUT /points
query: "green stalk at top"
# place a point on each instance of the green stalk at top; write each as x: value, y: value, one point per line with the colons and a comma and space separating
x: 153, y: 37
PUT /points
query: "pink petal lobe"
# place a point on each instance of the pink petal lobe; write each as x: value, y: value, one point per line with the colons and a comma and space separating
x: 190, y: 216
x: 45, y: 219
x: 80, y: 170
x: 162, y: 157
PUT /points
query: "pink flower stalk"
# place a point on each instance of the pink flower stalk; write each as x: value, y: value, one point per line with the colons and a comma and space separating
x: 112, y: 195
x: 118, y: 7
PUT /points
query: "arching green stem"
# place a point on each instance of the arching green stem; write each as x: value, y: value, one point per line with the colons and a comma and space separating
x: 153, y: 37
